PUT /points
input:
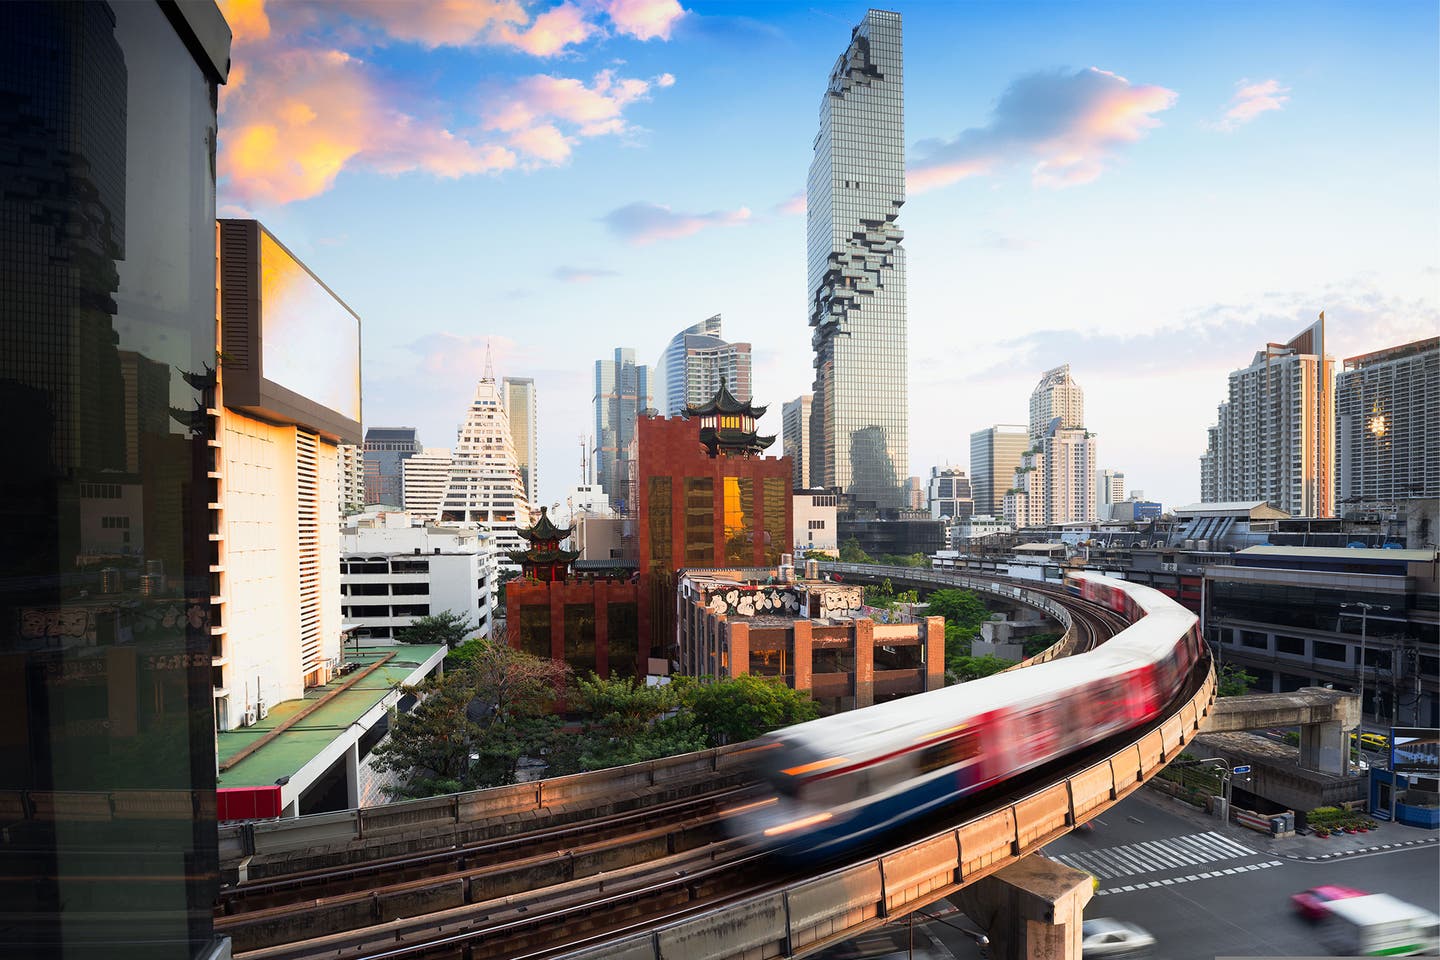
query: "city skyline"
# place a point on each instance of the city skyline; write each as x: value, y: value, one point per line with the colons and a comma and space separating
x: 1225, y: 198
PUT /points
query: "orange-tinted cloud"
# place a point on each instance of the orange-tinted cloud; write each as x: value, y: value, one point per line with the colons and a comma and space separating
x: 1067, y: 126
x: 297, y: 113
x: 291, y: 128
x: 641, y: 223
x: 792, y: 205
x: 644, y: 19
x: 1251, y: 100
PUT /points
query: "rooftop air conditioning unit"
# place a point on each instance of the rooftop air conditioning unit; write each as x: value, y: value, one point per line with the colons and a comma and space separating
x: 261, y: 711
x: 249, y: 717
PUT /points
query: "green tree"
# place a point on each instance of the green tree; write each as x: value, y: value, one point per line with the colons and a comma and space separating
x: 851, y: 552
x: 973, y: 668
x: 742, y: 708
x: 447, y: 627
x: 472, y: 725
x: 1232, y: 681
x: 625, y: 721
x: 964, y: 612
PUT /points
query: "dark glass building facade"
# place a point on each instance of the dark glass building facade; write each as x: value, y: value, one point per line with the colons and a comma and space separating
x: 107, y: 357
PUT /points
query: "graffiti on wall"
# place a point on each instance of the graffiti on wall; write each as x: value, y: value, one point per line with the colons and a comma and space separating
x: 781, y: 600
x: 841, y: 601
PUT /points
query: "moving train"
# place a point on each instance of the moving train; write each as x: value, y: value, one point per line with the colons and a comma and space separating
x: 847, y: 778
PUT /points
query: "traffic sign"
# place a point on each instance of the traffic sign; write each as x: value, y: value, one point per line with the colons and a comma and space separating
x: 1243, y: 768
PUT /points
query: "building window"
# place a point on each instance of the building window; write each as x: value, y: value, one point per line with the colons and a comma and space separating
x: 661, y: 535
x: 1337, y: 652
x: 699, y: 522
x: 580, y: 637
x: 535, y: 630
x: 1291, y: 645
x: 622, y: 632
x: 739, y: 521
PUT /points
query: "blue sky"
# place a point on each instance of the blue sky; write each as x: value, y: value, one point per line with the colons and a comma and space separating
x: 1149, y: 192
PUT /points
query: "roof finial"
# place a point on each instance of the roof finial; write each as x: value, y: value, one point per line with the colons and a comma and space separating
x: 489, y: 364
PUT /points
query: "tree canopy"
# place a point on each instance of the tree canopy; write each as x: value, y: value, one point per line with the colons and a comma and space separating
x: 964, y: 612
x: 447, y: 627
x: 852, y: 552
x: 1232, y: 681
x: 973, y: 668
x: 472, y: 725
x: 742, y: 708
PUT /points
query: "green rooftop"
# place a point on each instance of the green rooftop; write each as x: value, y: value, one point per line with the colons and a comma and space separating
x: 288, y: 753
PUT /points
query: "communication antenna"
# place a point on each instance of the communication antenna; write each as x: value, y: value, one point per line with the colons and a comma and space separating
x: 489, y: 364
x: 584, y: 461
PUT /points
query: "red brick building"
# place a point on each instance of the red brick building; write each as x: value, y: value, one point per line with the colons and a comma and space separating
x: 588, y: 618
x: 705, y: 497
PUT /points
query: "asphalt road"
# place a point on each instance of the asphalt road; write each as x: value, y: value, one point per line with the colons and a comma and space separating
x: 1219, y: 893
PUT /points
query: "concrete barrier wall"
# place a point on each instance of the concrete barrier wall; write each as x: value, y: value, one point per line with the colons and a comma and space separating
x: 453, y: 812
x: 818, y: 912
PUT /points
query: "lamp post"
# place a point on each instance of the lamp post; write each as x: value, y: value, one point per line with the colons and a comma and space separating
x: 1365, y: 609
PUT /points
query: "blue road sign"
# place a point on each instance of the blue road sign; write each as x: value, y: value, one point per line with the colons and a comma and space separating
x: 1243, y: 768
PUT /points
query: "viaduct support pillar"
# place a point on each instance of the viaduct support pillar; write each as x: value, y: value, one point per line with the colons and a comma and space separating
x: 1325, y: 747
x: 1031, y: 910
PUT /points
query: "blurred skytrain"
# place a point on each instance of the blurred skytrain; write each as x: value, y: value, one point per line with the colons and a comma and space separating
x: 847, y: 778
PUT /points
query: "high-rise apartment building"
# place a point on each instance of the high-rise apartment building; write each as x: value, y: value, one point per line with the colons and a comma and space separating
x: 1272, y: 439
x: 386, y: 449
x: 856, y: 272
x: 1055, y: 481
x: 795, y: 437
x: 1109, y: 488
x: 1056, y: 397
x: 524, y: 432
x: 622, y: 391
x: 1387, y: 425
x: 107, y: 362
x: 426, y: 476
x: 352, y: 478
x: 994, y: 457
x: 949, y: 493
x: 697, y: 360
x: 485, y: 486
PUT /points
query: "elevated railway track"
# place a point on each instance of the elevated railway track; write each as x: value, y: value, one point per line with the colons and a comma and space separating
x: 664, y: 881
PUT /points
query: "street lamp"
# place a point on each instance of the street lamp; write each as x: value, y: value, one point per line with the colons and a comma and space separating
x: 1365, y: 609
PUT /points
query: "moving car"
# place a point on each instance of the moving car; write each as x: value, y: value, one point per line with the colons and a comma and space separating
x: 1106, y: 937
x: 1314, y: 903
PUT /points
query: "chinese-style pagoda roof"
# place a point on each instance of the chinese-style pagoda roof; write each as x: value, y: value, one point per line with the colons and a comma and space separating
x: 724, y: 402
x: 545, y: 529
x: 523, y: 557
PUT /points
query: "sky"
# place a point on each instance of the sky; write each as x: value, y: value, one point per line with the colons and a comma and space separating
x: 1148, y: 192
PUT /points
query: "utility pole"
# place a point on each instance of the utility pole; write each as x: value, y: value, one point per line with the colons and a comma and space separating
x: 1365, y: 609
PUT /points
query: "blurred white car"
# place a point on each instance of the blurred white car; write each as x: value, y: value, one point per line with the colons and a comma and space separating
x: 1113, y: 938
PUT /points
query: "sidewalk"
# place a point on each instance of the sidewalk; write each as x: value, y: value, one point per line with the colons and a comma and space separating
x: 1388, y: 836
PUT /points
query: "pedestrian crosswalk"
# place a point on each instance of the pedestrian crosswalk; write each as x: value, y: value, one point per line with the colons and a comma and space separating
x: 1133, y: 859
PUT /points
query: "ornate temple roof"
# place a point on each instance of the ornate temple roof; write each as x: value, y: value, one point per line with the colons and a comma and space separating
x: 724, y: 402
x: 545, y: 529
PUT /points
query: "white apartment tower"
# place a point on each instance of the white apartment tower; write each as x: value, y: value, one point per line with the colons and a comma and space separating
x: 485, y: 485
x: 1055, y: 482
x: 1109, y: 488
x: 795, y: 438
x: 1273, y: 437
x: 1387, y: 425
x: 425, y: 477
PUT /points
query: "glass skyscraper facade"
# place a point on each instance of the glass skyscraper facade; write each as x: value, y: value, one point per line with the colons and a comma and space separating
x: 696, y: 361
x: 386, y: 450
x: 107, y: 381
x: 622, y: 392
x: 856, y: 264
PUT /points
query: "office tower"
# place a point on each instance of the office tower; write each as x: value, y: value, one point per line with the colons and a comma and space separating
x: 524, y: 432
x: 694, y: 365
x: 386, y: 449
x: 859, y: 426
x: 795, y: 437
x: 622, y: 391
x: 485, y: 486
x: 1387, y: 424
x: 949, y: 494
x: 914, y: 493
x: 426, y: 475
x: 107, y: 355
x: 1109, y: 488
x: 994, y: 456
x: 285, y: 411
x: 1272, y: 439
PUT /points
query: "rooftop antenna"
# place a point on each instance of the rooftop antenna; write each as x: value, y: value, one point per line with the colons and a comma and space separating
x: 584, y: 463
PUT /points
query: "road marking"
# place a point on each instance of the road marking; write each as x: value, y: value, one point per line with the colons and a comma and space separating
x: 1172, y: 881
x: 1155, y: 856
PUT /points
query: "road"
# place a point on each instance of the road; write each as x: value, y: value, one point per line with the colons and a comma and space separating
x: 1215, y: 893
